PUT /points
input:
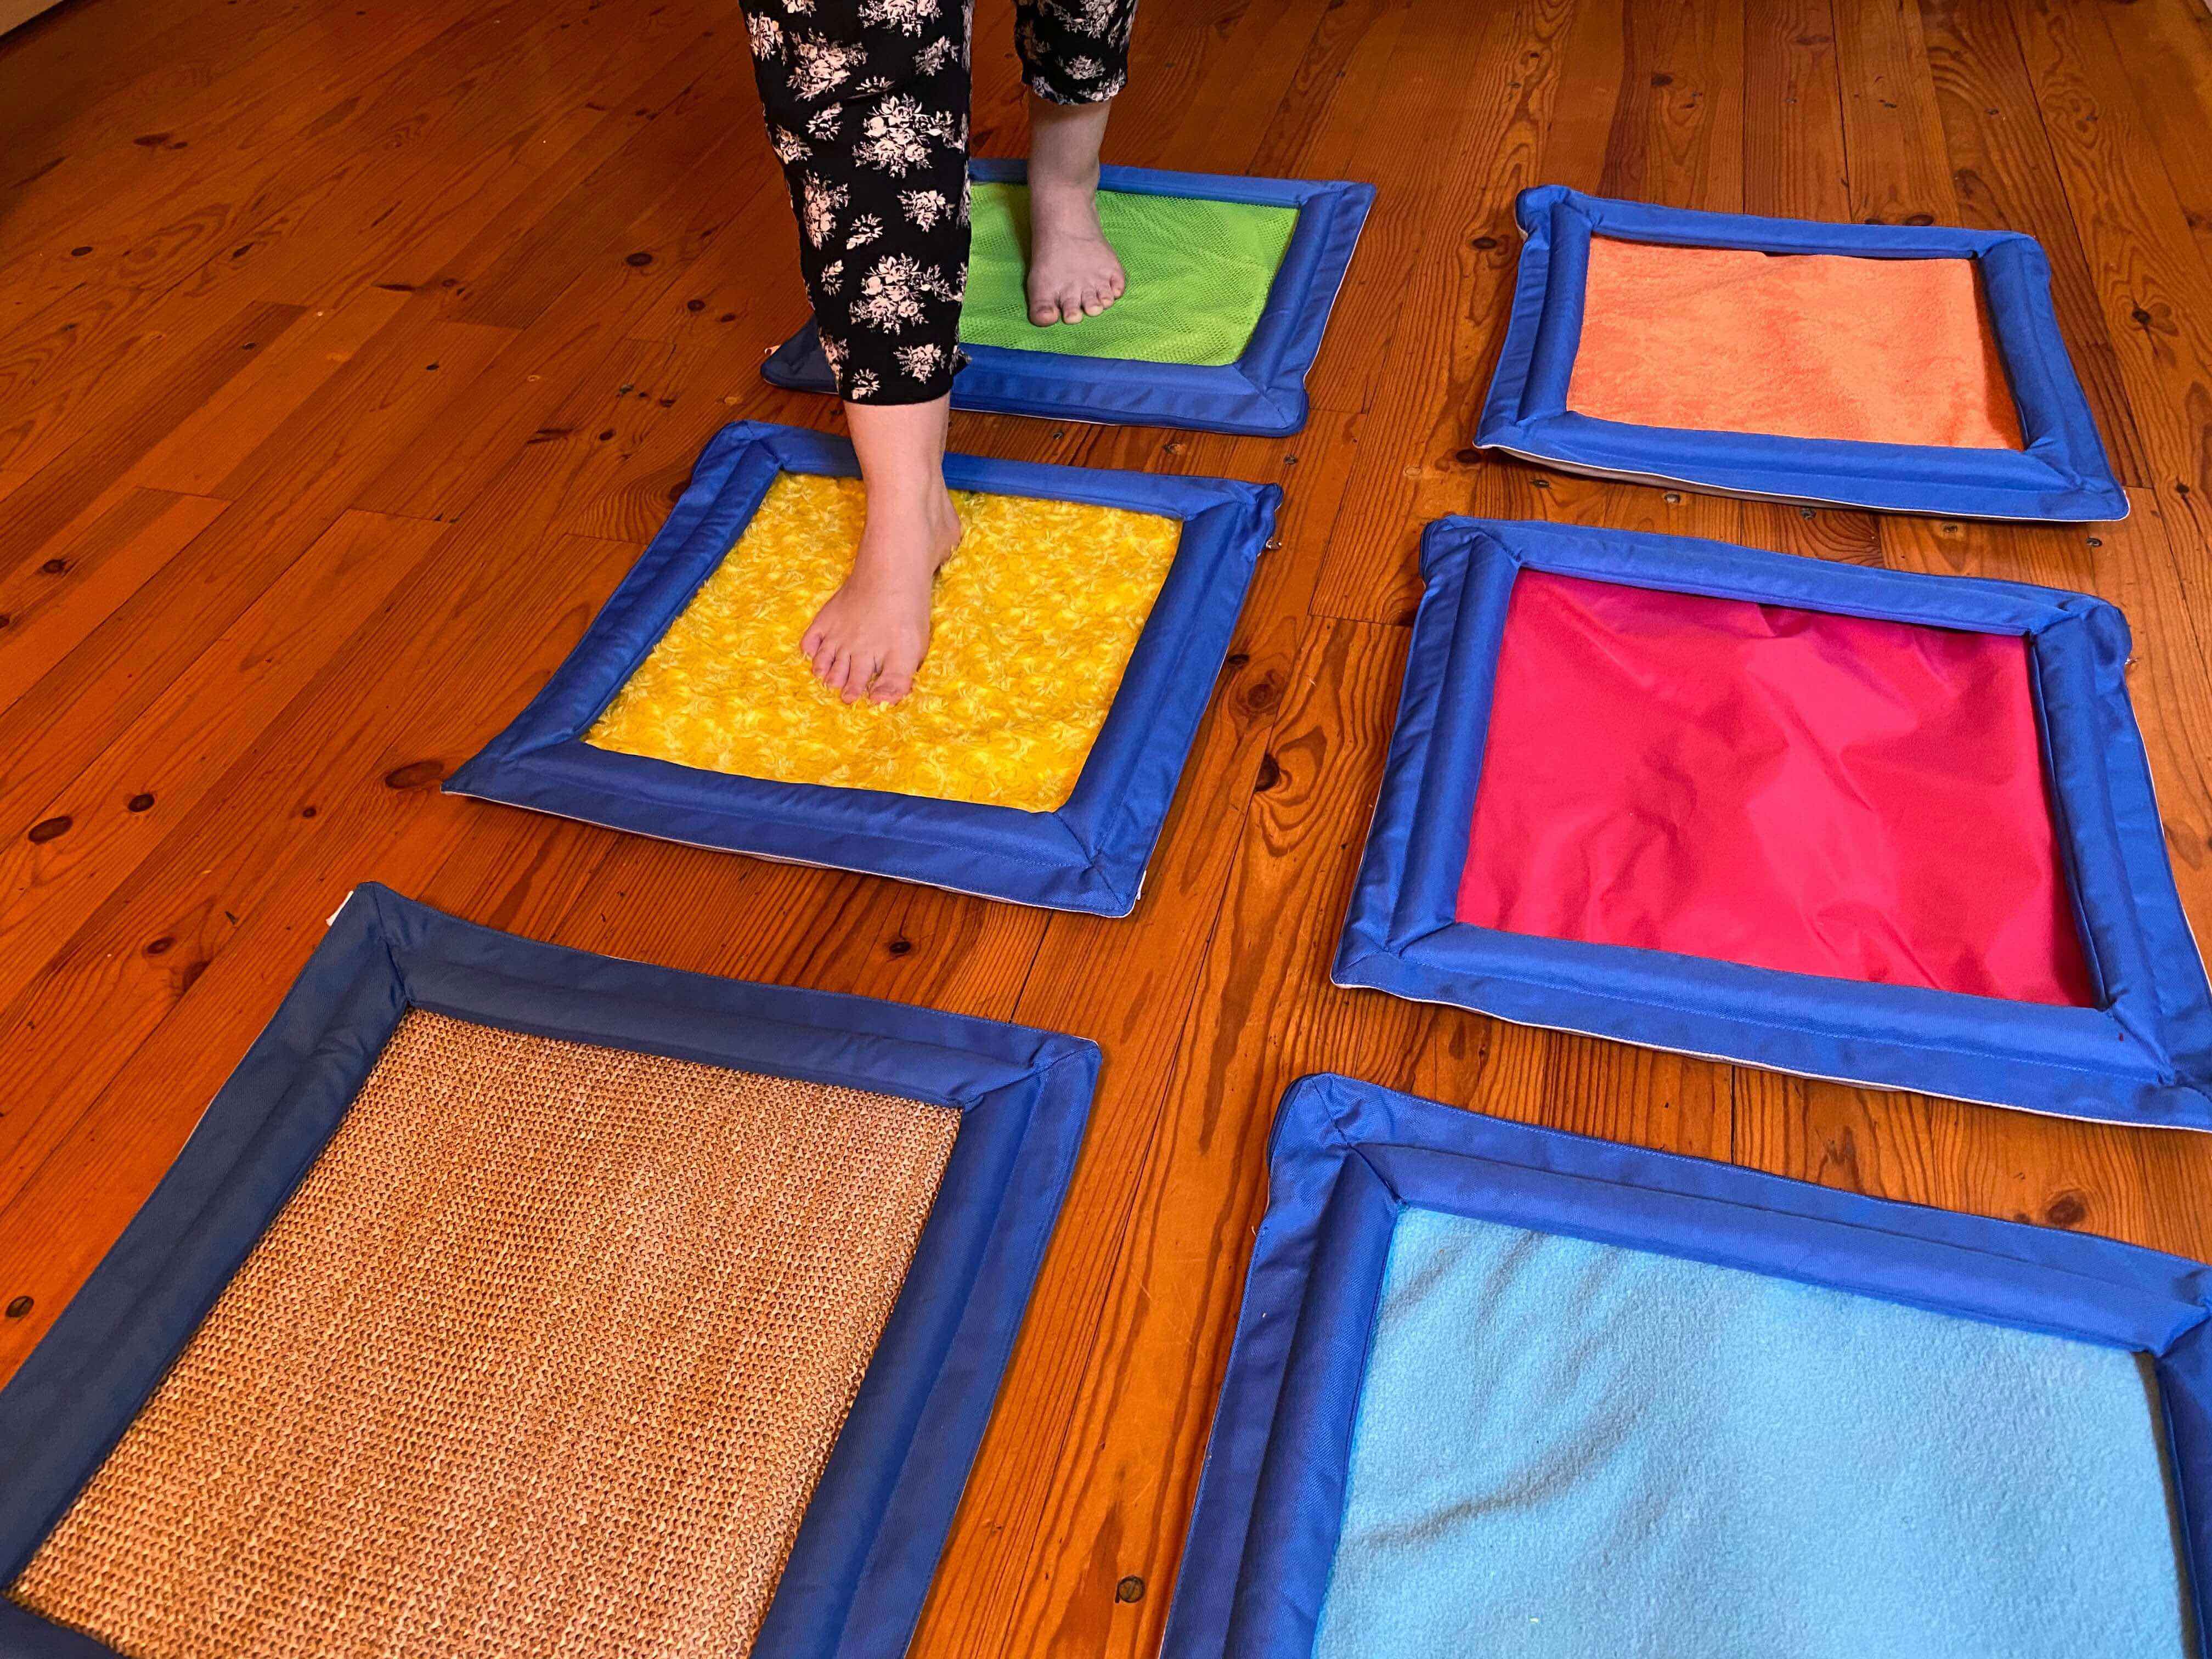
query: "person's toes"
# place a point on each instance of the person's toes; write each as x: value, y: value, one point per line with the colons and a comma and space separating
x: 1093, y: 303
x: 810, y: 644
x: 896, y: 678
x: 1044, y: 313
x: 852, y: 677
x: 1070, y: 305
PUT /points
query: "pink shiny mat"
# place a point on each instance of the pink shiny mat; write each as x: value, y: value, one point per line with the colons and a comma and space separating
x: 1784, y: 789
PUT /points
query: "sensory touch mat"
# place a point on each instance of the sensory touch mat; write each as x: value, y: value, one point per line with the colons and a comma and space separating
x: 1912, y: 368
x: 1856, y: 824
x: 1079, y: 630
x: 1231, y: 281
x: 511, y: 1300
x: 1501, y: 1389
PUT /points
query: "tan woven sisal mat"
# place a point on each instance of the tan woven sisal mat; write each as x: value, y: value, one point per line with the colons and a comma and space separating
x: 545, y: 1357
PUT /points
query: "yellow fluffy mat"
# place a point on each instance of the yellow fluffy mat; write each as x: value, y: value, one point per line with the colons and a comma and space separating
x: 1035, y: 617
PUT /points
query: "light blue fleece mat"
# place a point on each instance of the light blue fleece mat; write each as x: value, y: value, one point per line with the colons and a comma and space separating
x: 1571, y: 1449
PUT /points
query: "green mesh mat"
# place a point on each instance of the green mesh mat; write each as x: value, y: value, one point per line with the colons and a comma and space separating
x: 1199, y: 273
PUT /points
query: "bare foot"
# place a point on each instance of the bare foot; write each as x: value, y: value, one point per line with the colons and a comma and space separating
x: 1073, y: 272
x: 871, y: 635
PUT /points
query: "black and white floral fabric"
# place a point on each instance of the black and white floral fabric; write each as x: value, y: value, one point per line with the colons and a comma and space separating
x: 868, y: 110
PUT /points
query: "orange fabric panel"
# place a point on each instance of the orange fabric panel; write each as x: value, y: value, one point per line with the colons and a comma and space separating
x: 1796, y: 345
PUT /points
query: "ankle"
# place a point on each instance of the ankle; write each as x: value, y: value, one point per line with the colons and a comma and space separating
x: 1064, y: 144
x: 904, y: 495
x: 1063, y: 175
x: 910, y: 523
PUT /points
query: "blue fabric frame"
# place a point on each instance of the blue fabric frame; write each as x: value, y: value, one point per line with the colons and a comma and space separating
x: 1088, y: 855
x: 2063, y: 474
x: 1346, y: 1157
x: 867, y: 1550
x: 2144, y: 1057
x: 1263, y: 393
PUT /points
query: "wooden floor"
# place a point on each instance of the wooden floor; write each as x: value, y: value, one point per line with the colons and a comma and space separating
x: 350, y: 350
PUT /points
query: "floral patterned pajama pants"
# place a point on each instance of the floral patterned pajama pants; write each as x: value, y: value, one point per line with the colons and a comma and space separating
x: 867, y: 108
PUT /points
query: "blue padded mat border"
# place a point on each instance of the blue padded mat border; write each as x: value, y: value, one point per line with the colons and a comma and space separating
x: 1262, y: 394
x: 867, y: 1550
x: 1088, y: 855
x: 2063, y: 474
x: 1345, y: 1158
x: 2143, y: 1057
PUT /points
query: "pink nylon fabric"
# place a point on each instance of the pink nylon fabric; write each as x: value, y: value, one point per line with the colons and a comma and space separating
x: 1784, y: 789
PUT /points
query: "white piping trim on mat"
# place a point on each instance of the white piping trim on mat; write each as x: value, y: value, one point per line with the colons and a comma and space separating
x: 813, y: 864
x: 1658, y: 480
x: 1760, y: 1065
x: 1065, y: 420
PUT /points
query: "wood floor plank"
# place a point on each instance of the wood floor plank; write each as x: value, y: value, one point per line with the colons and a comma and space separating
x: 78, y: 581
x: 1675, y: 137
x: 2006, y: 179
x: 511, y: 406
x: 1427, y: 367
x: 1334, y: 100
x: 1671, y: 83
x: 278, y: 226
x: 94, y: 831
x: 285, y: 495
x: 64, y: 79
x: 1794, y: 151
x: 144, y: 211
x: 2152, y: 286
x: 281, y: 373
x: 63, y: 486
x: 441, y: 213
x: 589, y: 223
x: 2167, y: 47
x: 1893, y: 133
x: 818, y: 928
x: 1595, y: 67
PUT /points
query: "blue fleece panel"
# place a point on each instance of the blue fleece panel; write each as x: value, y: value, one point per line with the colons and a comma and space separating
x: 1262, y: 394
x: 1635, y: 1404
x: 1566, y: 1447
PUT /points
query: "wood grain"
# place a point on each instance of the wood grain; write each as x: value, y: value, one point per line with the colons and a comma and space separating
x: 349, y: 355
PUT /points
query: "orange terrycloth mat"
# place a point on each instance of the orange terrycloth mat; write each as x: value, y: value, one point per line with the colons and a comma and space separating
x: 1798, y: 345
x: 545, y: 1357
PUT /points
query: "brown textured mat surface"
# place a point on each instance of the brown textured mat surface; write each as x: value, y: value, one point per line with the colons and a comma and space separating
x: 543, y: 1356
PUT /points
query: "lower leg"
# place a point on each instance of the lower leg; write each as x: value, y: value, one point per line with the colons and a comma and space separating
x: 1074, y: 273
x: 871, y: 635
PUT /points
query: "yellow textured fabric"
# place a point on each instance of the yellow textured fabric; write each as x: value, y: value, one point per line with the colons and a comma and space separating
x: 1034, y: 619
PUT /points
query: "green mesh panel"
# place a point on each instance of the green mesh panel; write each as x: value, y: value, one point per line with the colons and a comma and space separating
x: 1199, y: 277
